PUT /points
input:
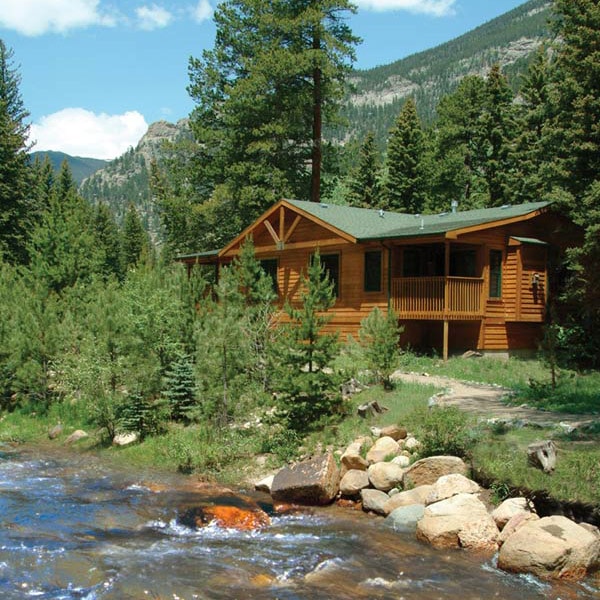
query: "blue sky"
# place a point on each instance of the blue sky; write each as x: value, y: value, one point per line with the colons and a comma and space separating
x: 96, y: 73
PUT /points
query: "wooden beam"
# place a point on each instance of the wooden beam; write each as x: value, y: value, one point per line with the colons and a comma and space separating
x: 445, y: 346
x: 294, y: 246
x: 292, y: 228
x: 271, y: 231
x: 281, y: 222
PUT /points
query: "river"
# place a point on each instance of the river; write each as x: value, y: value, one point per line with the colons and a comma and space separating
x: 75, y: 527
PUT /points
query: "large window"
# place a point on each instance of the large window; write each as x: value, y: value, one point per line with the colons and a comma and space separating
x: 495, y: 273
x: 331, y: 265
x: 269, y: 266
x: 373, y: 271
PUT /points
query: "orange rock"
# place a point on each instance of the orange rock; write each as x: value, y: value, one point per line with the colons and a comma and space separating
x: 232, y: 517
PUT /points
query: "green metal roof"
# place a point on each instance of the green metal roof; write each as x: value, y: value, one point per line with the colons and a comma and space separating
x: 207, y: 254
x: 373, y: 224
x: 528, y: 240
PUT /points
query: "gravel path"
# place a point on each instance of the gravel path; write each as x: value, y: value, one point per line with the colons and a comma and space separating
x: 486, y: 402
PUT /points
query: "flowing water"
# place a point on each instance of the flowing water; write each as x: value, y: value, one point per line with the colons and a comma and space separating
x: 72, y: 527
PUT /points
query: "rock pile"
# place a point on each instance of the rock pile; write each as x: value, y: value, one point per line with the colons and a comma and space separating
x: 434, y: 498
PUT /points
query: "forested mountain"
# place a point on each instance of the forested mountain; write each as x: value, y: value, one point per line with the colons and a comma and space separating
x: 81, y: 167
x: 509, y: 40
x: 126, y: 180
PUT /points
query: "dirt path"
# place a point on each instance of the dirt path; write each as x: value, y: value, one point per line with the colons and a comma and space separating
x: 486, y: 402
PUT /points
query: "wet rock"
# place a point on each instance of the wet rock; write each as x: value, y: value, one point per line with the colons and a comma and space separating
x: 313, y: 482
x: 264, y: 485
x: 405, y: 518
x: 429, y: 470
x: 417, y: 495
x: 384, y: 448
x: 508, y: 509
x: 450, y: 485
x: 227, y: 517
x: 461, y: 521
x: 385, y: 475
x: 373, y: 500
x: 354, y: 481
x: 552, y: 547
x: 77, y: 435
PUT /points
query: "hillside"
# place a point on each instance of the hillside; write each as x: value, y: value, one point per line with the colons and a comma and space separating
x: 379, y: 93
x: 127, y: 178
x: 81, y: 167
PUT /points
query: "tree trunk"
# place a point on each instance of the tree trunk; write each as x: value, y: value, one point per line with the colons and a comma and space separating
x: 315, y: 191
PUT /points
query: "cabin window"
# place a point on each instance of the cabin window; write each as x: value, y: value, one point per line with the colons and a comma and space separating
x: 463, y: 263
x: 331, y: 266
x: 373, y: 271
x: 269, y: 266
x: 495, y: 273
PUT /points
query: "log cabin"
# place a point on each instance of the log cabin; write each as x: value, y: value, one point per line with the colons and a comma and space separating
x: 459, y: 280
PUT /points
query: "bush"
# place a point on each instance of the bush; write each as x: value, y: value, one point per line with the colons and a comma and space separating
x: 445, y: 430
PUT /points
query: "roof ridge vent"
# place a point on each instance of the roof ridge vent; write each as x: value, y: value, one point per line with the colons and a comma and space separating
x: 443, y: 214
x: 323, y: 205
x: 505, y: 206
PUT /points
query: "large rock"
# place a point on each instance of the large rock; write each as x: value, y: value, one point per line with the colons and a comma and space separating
x: 450, y: 485
x: 354, y: 481
x: 552, y: 547
x: 373, y: 500
x: 242, y: 518
x: 459, y: 522
x: 352, y: 458
x: 394, y: 431
x: 417, y: 495
x: 265, y: 484
x: 313, y: 482
x: 77, y: 435
x: 508, y: 509
x: 384, y: 448
x: 385, y: 475
x: 429, y: 470
x: 405, y: 518
x: 124, y: 439
x: 515, y: 523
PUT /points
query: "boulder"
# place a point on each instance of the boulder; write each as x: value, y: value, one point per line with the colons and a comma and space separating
x: 411, y: 444
x: 401, y: 461
x: 313, y: 481
x: 385, y: 447
x: 394, y: 431
x: 515, y: 523
x: 461, y: 521
x: 542, y: 455
x: 429, y: 470
x: 405, y: 518
x: 385, y: 475
x: 352, y: 459
x: 265, y: 484
x: 225, y: 516
x: 124, y: 439
x: 354, y: 481
x: 417, y: 495
x: 373, y: 500
x: 508, y: 509
x: 552, y: 547
x: 77, y: 435
x: 450, y: 485
x: 55, y: 431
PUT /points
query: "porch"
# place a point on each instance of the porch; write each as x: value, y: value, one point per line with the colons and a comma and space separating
x: 438, y: 298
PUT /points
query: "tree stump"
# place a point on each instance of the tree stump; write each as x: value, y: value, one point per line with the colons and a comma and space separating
x: 542, y: 455
x: 372, y: 408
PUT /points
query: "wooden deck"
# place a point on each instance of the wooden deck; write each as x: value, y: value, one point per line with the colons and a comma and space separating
x: 438, y: 298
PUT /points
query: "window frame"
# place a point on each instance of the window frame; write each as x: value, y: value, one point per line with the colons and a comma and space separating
x: 369, y: 284
x: 336, y: 279
x: 273, y: 275
x: 495, y: 274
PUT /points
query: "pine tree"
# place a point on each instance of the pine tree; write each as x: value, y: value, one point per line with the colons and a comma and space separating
x: 405, y: 182
x: 136, y: 243
x: 14, y: 171
x: 364, y: 182
x: 306, y: 390
x: 276, y: 71
x: 180, y: 389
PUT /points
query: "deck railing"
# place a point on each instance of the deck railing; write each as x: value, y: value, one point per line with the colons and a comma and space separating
x: 437, y: 297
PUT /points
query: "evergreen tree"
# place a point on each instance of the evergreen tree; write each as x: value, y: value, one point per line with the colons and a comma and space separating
x: 364, y: 181
x: 108, y: 240
x: 14, y: 170
x: 306, y: 390
x: 277, y: 69
x: 180, y: 389
x: 405, y: 182
x: 136, y: 243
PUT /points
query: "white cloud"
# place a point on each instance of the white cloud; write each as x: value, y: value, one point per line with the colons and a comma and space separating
x: 36, y: 17
x: 153, y: 17
x: 436, y: 8
x: 202, y: 11
x: 80, y: 132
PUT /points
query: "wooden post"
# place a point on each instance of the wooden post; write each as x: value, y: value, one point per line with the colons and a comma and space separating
x: 446, y: 299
